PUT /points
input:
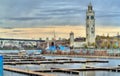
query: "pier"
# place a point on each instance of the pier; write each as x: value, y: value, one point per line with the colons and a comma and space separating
x: 21, y: 60
x: 76, y: 71
x: 53, y: 62
x: 24, y: 60
x: 28, y: 72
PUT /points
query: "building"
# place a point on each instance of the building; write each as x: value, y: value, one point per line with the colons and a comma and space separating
x: 79, y: 42
x: 7, y: 43
x: 90, y: 26
x: 76, y: 42
x: 90, y: 31
x: 107, y: 42
x: 71, y: 39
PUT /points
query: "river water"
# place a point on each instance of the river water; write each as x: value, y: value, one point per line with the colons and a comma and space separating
x: 112, y: 63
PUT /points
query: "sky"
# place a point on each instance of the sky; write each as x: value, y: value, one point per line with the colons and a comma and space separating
x: 21, y: 18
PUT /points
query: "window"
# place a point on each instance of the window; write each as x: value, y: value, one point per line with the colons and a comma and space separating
x: 87, y: 17
x: 92, y: 31
x: 92, y: 17
x: 91, y: 28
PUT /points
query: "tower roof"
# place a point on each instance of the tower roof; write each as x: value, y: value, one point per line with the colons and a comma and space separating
x: 90, y: 6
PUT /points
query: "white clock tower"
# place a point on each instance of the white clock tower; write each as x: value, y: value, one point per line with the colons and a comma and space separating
x: 90, y: 26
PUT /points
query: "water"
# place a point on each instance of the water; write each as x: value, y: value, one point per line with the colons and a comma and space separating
x: 112, y: 63
x: 89, y: 73
x: 8, y: 73
x: 9, y: 51
x: 16, y: 51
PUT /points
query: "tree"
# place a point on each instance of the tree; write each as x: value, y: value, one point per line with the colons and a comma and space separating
x: 40, y: 38
x: 85, y: 46
x: 103, y: 45
x: 108, y: 44
x: 93, y: 44
x: 115, y: 46
x: 96, y: 45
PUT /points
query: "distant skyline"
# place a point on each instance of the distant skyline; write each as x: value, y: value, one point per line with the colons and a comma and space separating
x: 28, y: 14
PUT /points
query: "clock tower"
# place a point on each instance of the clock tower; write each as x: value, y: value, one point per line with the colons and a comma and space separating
x: 90, y: 26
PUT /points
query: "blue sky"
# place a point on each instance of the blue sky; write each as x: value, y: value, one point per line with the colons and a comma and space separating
x: 38, y: 13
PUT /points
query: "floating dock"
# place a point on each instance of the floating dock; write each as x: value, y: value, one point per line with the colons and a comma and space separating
x: 53, y: 62
x: 28, y: 72
x: 23, y: 60
x: 15, y: 60
x: 77, y: 71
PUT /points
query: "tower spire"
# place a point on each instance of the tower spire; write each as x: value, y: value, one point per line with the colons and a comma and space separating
x: 90, y: 7
x: 90, y: 4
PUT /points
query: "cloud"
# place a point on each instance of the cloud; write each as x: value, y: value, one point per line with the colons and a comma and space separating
x: 108, y: 15
x: 18, y: 31
x: 7, y: 28
x: 61, y: 13
x: 49, y: 32
x: 28, y: 18
x: 36, y: 13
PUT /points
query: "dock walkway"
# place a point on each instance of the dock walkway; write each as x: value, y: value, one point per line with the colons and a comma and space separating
x: 53, y: 62
x: 77, y: 71
x: 28, y: 72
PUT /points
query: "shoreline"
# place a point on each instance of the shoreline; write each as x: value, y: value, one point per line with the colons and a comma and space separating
x: 85, y: 56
